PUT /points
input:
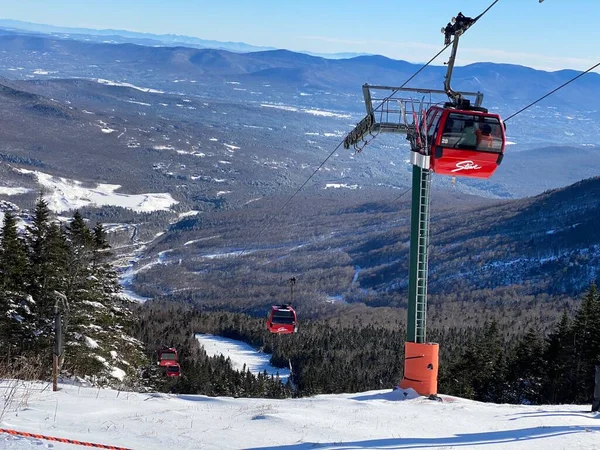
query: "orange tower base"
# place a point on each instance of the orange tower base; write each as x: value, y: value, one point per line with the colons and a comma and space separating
x: 421, y: 367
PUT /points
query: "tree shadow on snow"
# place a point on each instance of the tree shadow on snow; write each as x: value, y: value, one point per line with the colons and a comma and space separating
x: 459, y: 440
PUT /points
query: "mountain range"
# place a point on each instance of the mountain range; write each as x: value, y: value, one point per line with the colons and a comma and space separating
x: 149, y: 39
x: 231, y: 136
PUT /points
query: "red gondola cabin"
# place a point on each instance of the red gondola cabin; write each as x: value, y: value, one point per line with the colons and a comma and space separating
x: 282, y: 320
x: 463, y: 143
x: 173, y: 370
x: 167, y: 357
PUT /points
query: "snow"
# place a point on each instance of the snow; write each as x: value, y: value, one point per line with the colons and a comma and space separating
x: 318, y: 112
x: 338, y: 186
x: 335, y: 299
x: 200, y: 240
x: 94, y: 304
x: 225, y: 254
x: 118, y: 373
x: 90, y: 342
x: 129, y: 85
x: 138, y: 103
x: 377, y: 419
x: 241, y: 354
x: 356, y: 273
x: 131, y: 295
x: 191, y: 212
x: 252, y: 200
x: 65, y: 194
x: 5, y: 190
x: 314, y: 112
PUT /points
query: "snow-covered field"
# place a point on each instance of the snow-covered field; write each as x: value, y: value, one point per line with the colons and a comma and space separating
x: 376, y: 419
x: 387, y: 419
x: 65, y: 194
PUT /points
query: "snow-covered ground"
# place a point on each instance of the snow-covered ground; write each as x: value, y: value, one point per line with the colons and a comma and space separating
x: 376, y: 419
x: 241, y: 354
x: 65, y: 194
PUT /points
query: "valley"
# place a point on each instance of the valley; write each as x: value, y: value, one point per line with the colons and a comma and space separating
x: 193, y: 159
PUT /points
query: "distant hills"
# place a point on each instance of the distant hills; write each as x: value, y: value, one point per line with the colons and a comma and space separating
x: 565, y: 118
x: 506, y: 87
x: 150, y: 39
x: 231, y: 135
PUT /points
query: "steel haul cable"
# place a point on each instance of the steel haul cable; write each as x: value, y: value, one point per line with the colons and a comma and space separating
x: 551, y: 92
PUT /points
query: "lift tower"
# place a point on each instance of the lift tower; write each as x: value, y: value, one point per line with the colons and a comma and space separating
x: 401, y: 111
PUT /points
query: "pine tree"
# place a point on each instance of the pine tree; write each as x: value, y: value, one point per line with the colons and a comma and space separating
x: 39, y: 258
x: 80, y: 281
x: 13, y: 257
x: 559, y: 379
x: 479, y: 371
x: 15, y: 312
x: 525, y: 370
x: 586, y: 336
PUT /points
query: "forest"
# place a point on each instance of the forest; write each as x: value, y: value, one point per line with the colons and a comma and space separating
x: 494, y: 356
x: 485, y: 362
x: 49, y: 268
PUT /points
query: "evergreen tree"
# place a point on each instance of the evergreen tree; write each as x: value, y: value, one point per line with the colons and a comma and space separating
x: 559, y: 378
x: 525, y: 370
x: 479, y: 371
x: 15, y: 313
x: 586, y: 335
x: 42, y: 239
x: 80, y: 281
x: 13, y: 257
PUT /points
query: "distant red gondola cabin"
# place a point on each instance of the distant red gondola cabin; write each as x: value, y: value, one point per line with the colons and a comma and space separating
x: 168, y: 357
x: 282, y: 320
x: 173, y: 370
x: 463, y: 143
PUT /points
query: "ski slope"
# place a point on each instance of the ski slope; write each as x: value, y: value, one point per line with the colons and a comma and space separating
x: 242, y: 355
x: 377, y: 419
x: 385, y: 419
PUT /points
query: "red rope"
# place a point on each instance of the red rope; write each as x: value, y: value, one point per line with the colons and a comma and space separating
x: 57, y: 439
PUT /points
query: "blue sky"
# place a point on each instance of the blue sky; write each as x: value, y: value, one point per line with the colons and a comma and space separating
x: 553, y: 35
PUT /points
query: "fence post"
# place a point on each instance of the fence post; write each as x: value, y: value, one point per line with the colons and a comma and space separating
x: 58, y: 347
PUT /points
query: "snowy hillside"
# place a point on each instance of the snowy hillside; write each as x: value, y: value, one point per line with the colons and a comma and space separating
x: 377, y: 419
